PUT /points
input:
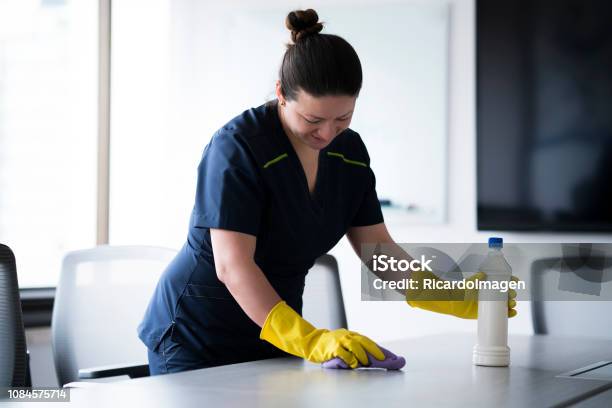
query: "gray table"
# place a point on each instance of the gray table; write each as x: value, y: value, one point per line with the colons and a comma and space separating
x: 439, y: 372
x: 600, y: 400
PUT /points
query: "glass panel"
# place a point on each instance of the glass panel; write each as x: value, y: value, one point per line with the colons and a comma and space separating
x: 48, y: 132
x: 182, y: 74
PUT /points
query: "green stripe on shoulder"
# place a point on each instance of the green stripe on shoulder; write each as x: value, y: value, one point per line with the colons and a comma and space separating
x: 344, y: 159
x: 275, y: 160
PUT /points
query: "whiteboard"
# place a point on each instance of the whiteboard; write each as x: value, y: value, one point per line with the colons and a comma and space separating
x: 228, y: 57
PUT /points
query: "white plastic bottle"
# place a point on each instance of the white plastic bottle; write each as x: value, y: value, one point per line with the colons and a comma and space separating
x: 492, y: 347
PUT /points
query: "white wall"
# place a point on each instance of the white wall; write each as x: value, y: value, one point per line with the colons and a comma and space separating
x: 391, y: 320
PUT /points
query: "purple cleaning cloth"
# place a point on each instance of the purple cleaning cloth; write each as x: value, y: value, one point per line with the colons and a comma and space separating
x: 391, y: 362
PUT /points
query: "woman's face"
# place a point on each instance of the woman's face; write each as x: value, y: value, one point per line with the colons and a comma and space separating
x: 316, y: 121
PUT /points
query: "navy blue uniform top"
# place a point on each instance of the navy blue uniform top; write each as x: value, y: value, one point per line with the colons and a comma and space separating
x: 250, y: 180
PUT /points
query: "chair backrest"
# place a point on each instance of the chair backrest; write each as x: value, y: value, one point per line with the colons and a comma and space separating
x: 323, y: 304
x: 564, y: 303
x: 99, y: 302
x: 13, y: 359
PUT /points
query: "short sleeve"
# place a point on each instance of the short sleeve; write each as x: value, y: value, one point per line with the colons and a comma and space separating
x: 229, y: 194
x: 369, y: 212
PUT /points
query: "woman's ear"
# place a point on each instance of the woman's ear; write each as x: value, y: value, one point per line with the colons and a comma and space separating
x: 279, y: 93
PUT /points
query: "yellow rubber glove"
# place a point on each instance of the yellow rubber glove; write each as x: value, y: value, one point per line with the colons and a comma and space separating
x: 462, y: 303
x: 288, y: 331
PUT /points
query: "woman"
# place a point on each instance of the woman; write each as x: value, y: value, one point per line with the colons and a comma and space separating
x: 278, y: 186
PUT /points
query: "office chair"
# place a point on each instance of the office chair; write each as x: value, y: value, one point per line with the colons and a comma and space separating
x: 14, y: 358
x: 323, y: 304
x: 568, y: 302
x: 99, y: 301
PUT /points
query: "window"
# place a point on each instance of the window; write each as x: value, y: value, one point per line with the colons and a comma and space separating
x: 48, y: 132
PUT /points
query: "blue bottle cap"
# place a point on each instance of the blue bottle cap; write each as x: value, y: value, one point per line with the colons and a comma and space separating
x: 496, y: 242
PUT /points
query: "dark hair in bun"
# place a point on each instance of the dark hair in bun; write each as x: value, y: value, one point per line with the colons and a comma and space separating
x: 303, y: 23
x: 318, y: 64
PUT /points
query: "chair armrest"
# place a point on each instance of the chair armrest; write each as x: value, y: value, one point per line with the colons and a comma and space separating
x: 133, y: 371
